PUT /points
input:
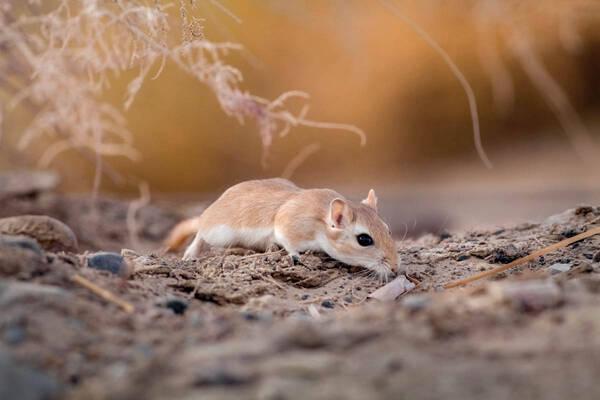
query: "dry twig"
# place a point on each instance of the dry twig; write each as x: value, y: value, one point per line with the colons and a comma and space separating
x: 105, y: 294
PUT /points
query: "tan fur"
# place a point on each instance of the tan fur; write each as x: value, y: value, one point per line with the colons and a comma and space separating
x: 299, y: 219
x: 181, y: 233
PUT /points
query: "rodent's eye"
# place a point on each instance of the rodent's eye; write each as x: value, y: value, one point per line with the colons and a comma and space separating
x: 364, y: 240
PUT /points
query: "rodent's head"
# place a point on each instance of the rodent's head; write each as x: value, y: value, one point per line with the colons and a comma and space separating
x: 358, y: 236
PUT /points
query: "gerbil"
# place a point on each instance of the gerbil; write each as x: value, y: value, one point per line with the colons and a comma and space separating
x: 257, y: 214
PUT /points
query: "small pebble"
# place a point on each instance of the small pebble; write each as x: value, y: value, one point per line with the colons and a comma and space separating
x: 348, y: 299
x: 462, y: 257
x: 589, y: 256
x: 250, y: 316
x: 416, y: 302
x: 558, y: 268
x: 305, y: 296
x: 177, y: 304
x: 358, y: 288
x: 327, y: 304
x: 444, y: 236
x: 111, y: 262
x: 50, y: 233
x: 14, y: 334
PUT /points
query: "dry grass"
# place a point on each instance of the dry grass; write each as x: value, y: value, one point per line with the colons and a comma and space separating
x: 59, y: 59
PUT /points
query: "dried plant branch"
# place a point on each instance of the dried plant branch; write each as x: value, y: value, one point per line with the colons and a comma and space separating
x: 105, y: 294
x: 299, y: 159
x: 68, y: 57
x: 132, y: 210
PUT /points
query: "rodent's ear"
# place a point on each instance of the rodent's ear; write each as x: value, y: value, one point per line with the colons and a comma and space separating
x: 371, y: 200
x: 339, y: 213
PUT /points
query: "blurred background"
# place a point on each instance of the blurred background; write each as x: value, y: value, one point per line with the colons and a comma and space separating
x: 533, y: 67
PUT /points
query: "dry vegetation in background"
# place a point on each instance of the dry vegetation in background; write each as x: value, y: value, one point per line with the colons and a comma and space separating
x: 60, y: 58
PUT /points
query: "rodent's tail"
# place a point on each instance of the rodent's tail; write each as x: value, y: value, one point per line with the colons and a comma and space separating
x: 180, y: 234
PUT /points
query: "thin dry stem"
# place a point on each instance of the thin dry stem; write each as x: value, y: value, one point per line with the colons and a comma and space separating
x: 105, y: 294
x: 455, y: 70
x: 132, y: 210
x: 299, y: 159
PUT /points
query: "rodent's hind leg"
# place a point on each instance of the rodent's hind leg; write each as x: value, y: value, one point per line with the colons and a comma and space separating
x: 195, y: 248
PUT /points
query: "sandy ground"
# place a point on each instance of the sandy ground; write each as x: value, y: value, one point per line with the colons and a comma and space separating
x: 239, y: 324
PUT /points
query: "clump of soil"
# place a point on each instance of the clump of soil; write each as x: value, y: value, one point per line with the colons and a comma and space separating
x: 240, y: 324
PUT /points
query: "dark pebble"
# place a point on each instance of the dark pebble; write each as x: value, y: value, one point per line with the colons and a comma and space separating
x: 589, y: 256
x: 177, y: 304
x: 14, y: 334
x: 22, y: 243
x: 348, y: 299
x: 219, y: 378
x: 327, y: 304
x: 445, y: 235
x: 111, y: 262
x: 462, y: 258
x: 395, y: 364
x: 304, y: 297
x: 358, y: 288
x: 571, y: 231
x: 250, y: 316
x: 498, y: 232
x: 18, y: 381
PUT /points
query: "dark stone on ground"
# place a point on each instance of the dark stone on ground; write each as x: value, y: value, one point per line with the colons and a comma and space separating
x: 327, y: 304
x: 177, y: 304
x: 111, y: 262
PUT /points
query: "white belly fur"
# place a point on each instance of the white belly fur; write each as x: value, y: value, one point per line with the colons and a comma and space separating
x: 225, y: 236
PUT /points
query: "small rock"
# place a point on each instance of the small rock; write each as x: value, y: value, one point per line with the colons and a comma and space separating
x: 20, y: 257
x: 304, y: 297
x: 220, y: 377
x: 416, y: 302
x: 499, y: 231
x: 570, y: 231
x: 558, y: 268
x: 505, y: 255
x: 534, y: 295
x: 583, y: 210
x: 589, y: 256
x: 250, y: 316
x: 327, y: 304
x: 177, y: 304
x: 21, y: 382
x: 14, y: 334
x: 111, y: 262
x: 26, y: 183
x: 348, y: 299
x: 444, y: 236
x: 50, y: 233
x: 462, y: 257
x: 12, y: 292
